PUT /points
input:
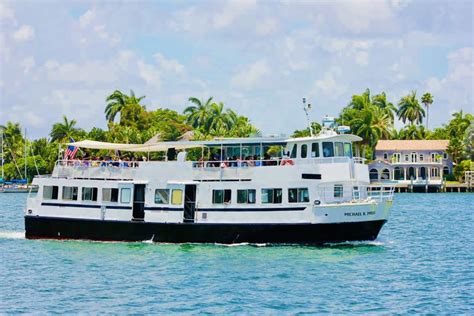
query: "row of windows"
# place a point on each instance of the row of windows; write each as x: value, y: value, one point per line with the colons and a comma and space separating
x: 330, y: 149
x: 269, y: 196
x: 162, y: 196
x: 414, y: 157
x: 88, y: 194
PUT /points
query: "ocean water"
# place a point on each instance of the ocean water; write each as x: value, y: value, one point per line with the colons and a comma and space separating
x: 422, y: 262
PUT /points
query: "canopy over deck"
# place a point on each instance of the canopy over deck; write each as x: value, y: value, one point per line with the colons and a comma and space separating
x: 218, y: 142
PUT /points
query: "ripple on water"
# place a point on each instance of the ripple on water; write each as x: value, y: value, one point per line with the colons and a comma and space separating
x: 421, y: 263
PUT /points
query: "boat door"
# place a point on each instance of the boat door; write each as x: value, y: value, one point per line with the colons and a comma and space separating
x: 138, y: 202
x: 189, y: 202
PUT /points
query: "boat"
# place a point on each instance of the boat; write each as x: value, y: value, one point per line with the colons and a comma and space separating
x: 273, y: 190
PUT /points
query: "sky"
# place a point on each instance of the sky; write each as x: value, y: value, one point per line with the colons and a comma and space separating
x: 258, y: 57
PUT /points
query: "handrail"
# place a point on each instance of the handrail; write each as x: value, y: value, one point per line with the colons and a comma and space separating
x: 97, y: 163
x: 338, y: 193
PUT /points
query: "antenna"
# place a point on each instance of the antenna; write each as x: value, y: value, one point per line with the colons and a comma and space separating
x: 306, y: 109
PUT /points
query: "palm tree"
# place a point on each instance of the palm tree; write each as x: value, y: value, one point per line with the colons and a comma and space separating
x: 118, y: 101
x: 220, y: 119
x: 360, y: 102
x: 198, y: 114
x: 63, y: 130
x: 380, y: 100
x: 409, y: 109
x: 427, y: 100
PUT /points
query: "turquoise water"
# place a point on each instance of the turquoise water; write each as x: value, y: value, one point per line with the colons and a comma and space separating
x: 422, y: 262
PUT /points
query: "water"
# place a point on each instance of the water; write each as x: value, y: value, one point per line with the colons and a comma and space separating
x: 422, y: 262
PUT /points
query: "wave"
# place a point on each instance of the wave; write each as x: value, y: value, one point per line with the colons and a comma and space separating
x: 12, y: 235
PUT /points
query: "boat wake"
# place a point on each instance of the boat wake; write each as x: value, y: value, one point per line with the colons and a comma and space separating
x: 12, y: 235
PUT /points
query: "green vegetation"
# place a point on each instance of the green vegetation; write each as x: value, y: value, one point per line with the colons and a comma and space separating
x: 371, y: 117
x: 128, y: 122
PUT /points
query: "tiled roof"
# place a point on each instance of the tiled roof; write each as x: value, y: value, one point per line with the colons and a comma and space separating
x: 412, y: 145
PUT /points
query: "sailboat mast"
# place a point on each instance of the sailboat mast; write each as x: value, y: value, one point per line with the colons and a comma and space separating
x: 3, y: 159
x: 26, y: 176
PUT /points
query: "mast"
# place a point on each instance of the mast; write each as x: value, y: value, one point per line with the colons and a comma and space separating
x: 3, y: 159
x: 26, y: 176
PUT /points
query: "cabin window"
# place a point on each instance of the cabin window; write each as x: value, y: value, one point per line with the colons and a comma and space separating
x: 314, y: 150
x: 328, y: 149
x: 298, y: 195
x: 385, y: 156
x: 110, y: 195
x: 348, y: 150
x: 271, y: 196
x: 177, y: 197
x: 293, y: 151
x: 304, y: 151
x: 246, y: 196
x: 339, y: 149
x: 125, y: 195
x: 70, y: 193
x: 221, y: 196
x: 338, y: 190
x: 162, y: 196
x: 89, y: 194
x: 50, y: 192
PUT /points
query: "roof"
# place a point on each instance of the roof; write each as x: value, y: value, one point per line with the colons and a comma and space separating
x: 184, y: 144
x: 412, y: 145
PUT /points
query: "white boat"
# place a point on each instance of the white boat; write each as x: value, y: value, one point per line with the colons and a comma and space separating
x: 317, y: 192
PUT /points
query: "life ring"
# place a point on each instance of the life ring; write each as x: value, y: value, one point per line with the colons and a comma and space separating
x: 288, y: 162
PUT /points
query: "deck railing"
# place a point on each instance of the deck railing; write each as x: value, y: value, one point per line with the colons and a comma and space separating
x: 339, y: 193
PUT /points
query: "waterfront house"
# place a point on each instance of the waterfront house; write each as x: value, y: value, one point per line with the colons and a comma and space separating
x: 411, y: 162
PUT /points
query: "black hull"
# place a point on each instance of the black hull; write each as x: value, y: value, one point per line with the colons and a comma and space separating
x: 64, y: 228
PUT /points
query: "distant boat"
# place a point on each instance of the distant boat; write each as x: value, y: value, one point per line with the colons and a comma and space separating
x: 15, y: 185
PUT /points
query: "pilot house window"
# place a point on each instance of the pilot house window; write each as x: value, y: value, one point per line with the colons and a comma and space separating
x: 328, y: 149
x: 314, y: 150
x: 304, y: 151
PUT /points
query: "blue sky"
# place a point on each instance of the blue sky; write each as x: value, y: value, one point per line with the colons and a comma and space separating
x: 258, y: 57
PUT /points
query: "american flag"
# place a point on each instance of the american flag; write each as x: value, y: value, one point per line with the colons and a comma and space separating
x: 70, y: 151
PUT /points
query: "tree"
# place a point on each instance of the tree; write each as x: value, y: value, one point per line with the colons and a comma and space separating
x: 198, y: 114
x: 118, y: 101
x: 380, y: 100
x: 315, y: 126
x: 64, y: 130
x: 427, y: 100
x: 409, y: 109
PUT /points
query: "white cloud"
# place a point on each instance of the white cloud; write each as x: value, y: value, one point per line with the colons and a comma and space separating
x: 24, y: 33
x: 362, y: 58
x: 6, y: 13
x: 231, y: 11
x: 171, y: 65
x: 330, y: 84
x: 27, y: 64
x: 251, y: 75
x: 266, y: 26
x: 150, y: 74
x: 87, y: 18
x: 363, y: 15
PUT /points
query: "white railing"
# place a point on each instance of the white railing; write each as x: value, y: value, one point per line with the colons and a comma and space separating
x: 91, y: 169
x: 339, y: 193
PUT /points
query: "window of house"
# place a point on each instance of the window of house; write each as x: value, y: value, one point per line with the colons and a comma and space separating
x: 221, y: 196
x: 246, y: 196
x: 339, y: 149
x: 298, y: 195
x: 385, y: 156
x: 328, y: 149
x: 348, y: 150
x: 338, y: 190
x: 433, y: 157
x: 70, y: 193
x: 293, y: 151
x: 162, y: 196
x: 271, y: 196
x: 434, y: 172
x: 420, y: 156
x: 396, y: 157
x: 407, y: 157
x: 304, y: 151
x: 50, y: 192
x: 125, y: 195
x: 177, y: 197
x: 110, y: 195
x: 445, y: 155
x: 89, y: 194
x: 314, y: 150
